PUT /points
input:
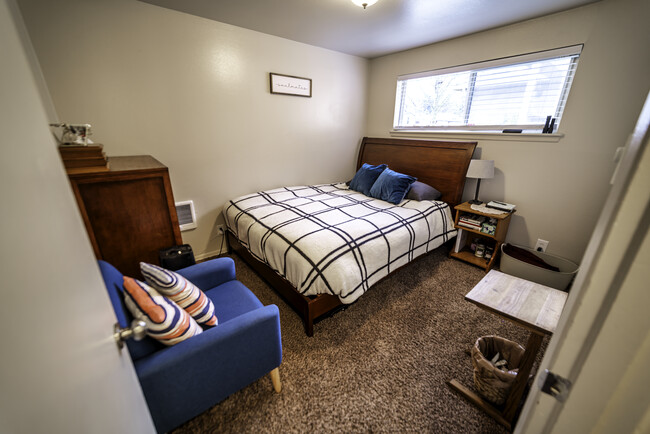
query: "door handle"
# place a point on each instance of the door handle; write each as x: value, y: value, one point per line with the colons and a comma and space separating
x: 137, y: 330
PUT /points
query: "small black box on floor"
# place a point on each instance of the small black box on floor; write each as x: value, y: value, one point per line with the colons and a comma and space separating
x: 177, y: 257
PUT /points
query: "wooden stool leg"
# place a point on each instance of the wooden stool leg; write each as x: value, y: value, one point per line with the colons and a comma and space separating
x: 480, y: 403
x: 275, y: 379
x: 514, y: 398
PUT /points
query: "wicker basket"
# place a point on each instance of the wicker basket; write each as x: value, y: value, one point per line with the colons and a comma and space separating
x: 493, y: 383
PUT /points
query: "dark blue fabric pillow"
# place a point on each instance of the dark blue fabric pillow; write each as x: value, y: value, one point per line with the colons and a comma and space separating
x: 421, y: 191
x: 391, y: 186
x: 366, y: 177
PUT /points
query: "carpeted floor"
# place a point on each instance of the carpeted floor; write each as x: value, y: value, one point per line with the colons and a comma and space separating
x: 381, y: 365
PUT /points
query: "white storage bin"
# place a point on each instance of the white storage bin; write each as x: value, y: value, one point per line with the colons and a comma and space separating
x: 555, y: 279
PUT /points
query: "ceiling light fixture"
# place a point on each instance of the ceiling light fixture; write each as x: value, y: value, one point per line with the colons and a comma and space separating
x: 364, y: 3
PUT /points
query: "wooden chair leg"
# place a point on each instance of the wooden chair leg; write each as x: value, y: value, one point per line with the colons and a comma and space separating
x: 275, y: 379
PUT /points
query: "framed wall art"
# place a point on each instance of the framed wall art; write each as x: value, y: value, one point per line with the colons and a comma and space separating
x: 290, y: 85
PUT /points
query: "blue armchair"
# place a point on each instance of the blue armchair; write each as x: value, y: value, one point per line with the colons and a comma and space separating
x: 184, y: 380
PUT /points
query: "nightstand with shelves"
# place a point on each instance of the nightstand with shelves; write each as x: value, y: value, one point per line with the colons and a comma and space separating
x: 465, y: 236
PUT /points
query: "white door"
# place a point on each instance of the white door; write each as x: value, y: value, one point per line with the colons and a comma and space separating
x: 60, y: 370
x: 602, y: 344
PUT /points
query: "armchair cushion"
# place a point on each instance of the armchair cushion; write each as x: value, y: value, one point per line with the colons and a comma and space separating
x: 181, y: 291
x: 166, y: 321
x: 233, y: 299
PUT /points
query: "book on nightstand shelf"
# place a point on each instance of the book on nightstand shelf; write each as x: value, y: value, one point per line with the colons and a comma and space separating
x: 471, y: 221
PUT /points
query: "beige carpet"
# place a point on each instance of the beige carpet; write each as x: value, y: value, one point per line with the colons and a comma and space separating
x: 381, y: 365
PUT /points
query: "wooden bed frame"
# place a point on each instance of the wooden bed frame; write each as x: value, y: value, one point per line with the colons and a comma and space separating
x: 442, y: 165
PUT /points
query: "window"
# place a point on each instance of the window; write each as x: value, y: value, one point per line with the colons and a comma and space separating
x: 515, y: 92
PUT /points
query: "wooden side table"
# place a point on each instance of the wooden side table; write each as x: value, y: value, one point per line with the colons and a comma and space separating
x: 530, y: 305
x: 462, y: 250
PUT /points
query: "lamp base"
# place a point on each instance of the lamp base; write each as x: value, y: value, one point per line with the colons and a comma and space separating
x: 475, y: 201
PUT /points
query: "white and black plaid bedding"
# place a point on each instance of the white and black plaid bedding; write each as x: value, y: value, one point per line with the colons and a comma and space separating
x: 330, y: 239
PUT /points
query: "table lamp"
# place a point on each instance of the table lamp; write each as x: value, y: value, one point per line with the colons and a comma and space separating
x: 480, y: 169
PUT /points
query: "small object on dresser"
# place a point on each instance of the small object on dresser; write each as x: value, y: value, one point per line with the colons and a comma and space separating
x: 480, y: 251
x: 84, y: 158
x: 74, y: 134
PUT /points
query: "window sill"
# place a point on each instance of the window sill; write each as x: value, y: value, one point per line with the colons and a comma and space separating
x: 478, y: 135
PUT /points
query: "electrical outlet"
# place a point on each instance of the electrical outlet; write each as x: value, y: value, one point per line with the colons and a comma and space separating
x: 219, y: 231
x: 541, y: 245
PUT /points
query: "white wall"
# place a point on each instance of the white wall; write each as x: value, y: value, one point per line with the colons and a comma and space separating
x: 195, y: 94
x: 60, y: 370
x: 559, y: 188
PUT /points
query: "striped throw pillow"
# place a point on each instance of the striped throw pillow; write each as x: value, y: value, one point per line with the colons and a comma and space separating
x: 183, y: 292
x: 166, y: 322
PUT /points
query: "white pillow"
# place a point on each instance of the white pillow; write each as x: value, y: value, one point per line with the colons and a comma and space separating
x: 181, y: 291
x: 166, y: 321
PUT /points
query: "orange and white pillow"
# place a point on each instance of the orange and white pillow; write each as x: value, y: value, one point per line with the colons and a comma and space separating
x: 166, y: 322
x: 182, y: 292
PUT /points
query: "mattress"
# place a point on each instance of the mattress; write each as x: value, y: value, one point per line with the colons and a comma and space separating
x: 328, y: 239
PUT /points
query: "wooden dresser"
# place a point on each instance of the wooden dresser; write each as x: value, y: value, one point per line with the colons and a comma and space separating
x: 128, y: 211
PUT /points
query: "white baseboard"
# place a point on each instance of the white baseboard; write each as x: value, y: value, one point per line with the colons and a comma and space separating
x: 208, y: 255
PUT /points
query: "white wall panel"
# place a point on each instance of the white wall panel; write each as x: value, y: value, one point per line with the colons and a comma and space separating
x: 194, y: 93
x: 559, y: 188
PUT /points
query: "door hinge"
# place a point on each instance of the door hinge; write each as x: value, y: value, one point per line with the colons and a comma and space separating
x: 554, y: 385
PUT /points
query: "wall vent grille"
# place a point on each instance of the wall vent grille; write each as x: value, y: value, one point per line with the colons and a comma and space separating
x: 186, y: 215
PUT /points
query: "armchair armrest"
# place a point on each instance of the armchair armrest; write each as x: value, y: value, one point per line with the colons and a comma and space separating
x: 249, y: 336
x: 186, y: 379
x: 208, y: 274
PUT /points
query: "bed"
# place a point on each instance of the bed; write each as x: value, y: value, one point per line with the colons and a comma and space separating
x: 322, y: 246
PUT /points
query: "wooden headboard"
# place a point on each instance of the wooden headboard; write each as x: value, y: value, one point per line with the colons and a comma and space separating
x: 442, y: 165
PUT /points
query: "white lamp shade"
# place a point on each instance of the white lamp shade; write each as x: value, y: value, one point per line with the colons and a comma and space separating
x: 481, y: 169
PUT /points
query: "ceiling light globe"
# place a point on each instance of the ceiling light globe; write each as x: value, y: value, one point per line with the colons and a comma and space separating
x: 364, y: 3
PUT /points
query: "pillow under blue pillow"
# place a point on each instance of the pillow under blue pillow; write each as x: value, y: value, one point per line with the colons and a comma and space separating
x: 391, y: 186
x: 420, y: 191
x: 365, y: 177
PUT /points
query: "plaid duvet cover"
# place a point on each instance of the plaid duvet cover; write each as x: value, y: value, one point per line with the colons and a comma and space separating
x: 333, y: 240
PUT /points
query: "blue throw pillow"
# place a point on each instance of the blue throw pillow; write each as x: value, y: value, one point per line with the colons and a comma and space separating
x: 391, y: 186
x: 366, y: 177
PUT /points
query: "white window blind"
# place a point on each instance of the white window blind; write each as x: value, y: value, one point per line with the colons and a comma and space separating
x: 515, y: 92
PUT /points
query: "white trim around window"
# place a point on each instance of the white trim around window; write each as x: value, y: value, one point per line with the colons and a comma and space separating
x: 526, y: 92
